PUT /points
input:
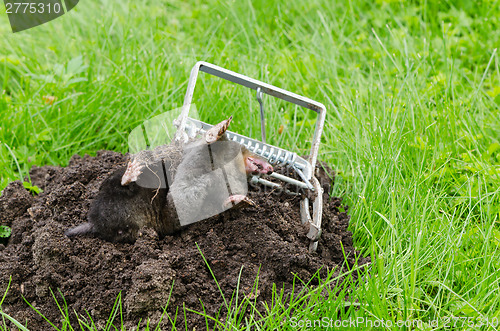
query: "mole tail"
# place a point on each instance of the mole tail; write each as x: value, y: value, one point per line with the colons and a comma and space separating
x: 84, y: 228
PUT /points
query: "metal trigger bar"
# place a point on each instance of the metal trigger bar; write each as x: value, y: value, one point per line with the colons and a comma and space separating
x: 262, y: 120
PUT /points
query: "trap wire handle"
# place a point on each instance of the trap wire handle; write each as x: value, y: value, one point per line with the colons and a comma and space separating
x: 263, y: 88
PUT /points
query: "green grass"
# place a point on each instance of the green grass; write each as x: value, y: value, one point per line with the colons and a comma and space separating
x: 412, y: 90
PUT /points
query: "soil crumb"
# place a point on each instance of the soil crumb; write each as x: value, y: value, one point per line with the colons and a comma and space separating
x: 267, y: 241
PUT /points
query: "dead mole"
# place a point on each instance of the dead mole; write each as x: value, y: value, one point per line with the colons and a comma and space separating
x: 168, y: 188
x: 211, y: 179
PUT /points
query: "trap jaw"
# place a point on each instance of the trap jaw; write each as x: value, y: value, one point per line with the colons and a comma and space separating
x: 189, y: 127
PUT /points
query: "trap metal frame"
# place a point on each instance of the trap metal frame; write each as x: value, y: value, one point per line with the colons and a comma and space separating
x: 188, y: 127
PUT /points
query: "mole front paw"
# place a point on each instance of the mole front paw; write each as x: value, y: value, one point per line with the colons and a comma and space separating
x: 134, y: 169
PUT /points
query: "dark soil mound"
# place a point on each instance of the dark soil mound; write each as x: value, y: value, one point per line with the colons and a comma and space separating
x: 267, y: 241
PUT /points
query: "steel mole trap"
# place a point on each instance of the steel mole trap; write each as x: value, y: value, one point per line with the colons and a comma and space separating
x: 188, y: 127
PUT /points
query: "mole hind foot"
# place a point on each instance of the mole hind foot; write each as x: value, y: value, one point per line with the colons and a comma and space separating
x: 84, y: 228
x: 234, y: 201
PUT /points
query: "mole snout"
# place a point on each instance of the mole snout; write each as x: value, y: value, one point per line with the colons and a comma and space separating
x: 257, y: 166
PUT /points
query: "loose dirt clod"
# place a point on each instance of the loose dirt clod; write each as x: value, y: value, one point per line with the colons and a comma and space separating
x: 267, y: 241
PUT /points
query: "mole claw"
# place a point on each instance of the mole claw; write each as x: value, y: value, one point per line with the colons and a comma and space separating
x: 215, y: 132
x: 134, y: 169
